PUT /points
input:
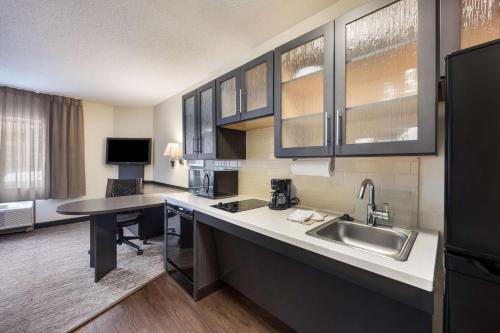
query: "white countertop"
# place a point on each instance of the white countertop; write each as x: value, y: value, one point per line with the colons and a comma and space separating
x: 417, y: 271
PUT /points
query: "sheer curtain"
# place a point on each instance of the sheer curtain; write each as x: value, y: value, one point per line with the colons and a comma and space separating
x: 24, y: 145
x: 41, y: 146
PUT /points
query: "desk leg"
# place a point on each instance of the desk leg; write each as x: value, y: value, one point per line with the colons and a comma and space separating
x: 152, y: 225
x: 103, y: 242
x: 92, y: 243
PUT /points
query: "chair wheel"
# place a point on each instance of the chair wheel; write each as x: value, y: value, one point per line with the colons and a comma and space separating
x: 119, y: 242
x: 145, y: 242
x: 139, y: 252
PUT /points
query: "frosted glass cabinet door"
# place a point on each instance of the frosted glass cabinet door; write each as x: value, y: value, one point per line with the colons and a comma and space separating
x: 480, y: 22
x: 303, y: 97
x: 467, y: 23
x: 228, y: 97
x: 386, y: 79
x: 257, y: 87
x: 190, y: 127
x: 206, y: 98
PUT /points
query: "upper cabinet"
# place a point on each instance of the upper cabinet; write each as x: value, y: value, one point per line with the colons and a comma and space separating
x: 190, y: 126
x: 466, y: 23
x: 198, y: 113
x: 202, y: 139
x: 303, y: 95
x: 386, y: 79
x: 246, y: 93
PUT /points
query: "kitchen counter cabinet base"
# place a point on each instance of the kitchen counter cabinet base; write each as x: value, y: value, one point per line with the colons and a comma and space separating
x: 307, y: 291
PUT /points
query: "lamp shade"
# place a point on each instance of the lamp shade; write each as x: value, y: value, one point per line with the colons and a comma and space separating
x: 173, y: 150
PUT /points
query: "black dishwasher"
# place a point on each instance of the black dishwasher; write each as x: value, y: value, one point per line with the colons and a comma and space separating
x: 179, y: 245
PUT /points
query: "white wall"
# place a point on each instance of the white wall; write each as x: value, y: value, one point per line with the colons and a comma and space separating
x: 135, y: 122
x: 98, y: 125
x: 168, y: 128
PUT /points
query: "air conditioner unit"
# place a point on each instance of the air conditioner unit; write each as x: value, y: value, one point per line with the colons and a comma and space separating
x: 16, y: 216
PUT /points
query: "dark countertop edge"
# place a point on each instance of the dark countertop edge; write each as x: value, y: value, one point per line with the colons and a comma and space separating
x: 110, y: 211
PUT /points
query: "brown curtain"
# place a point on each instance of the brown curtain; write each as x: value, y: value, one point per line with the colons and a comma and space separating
x: 41, y: 146
x: 67, y: 167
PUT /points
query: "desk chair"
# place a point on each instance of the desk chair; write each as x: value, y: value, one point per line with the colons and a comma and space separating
x: 123, y: 187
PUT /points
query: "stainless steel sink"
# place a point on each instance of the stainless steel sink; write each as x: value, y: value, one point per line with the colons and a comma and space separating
x: 390, y: 242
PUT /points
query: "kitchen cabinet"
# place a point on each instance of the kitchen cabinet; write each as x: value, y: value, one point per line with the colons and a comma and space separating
x: 202, y: 139
x: 303, y: 95
x: 246, y: 92
x: 190, y: 125
x: 466, y: 23
x: 386, y: 79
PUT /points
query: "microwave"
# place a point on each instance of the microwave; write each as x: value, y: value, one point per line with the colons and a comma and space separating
x: 213, y: 184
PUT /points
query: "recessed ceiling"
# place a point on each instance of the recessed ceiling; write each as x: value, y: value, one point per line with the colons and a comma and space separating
x: 133, y: 52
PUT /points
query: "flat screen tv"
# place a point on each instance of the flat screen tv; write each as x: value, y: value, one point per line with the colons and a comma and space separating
x: 128, y: 151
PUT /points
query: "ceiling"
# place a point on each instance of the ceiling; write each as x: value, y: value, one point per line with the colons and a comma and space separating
x: 133, y: 52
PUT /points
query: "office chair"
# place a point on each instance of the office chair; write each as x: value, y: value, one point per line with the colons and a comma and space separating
x: 123, y: 187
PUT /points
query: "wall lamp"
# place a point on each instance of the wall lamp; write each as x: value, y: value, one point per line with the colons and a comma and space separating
x: 173, y: 151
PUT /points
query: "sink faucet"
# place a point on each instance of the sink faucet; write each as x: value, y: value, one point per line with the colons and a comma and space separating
x: 372, y: 214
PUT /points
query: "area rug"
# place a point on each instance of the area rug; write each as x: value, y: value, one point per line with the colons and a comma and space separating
x: 46, y: 284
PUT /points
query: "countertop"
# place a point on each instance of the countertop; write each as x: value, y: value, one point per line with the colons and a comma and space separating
x: 417, y: 271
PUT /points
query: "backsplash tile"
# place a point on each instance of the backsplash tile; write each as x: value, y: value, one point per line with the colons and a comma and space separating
x: 395, y: 178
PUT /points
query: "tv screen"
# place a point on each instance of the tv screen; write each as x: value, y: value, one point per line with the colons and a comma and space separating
x: 128, y: 151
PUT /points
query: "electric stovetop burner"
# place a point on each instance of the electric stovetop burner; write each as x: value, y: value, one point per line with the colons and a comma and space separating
x: 240, y: 206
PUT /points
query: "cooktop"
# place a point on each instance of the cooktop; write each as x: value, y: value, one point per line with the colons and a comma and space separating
x: 240, y: 206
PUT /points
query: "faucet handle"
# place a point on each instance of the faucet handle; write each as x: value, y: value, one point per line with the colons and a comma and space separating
x: 386, y: 207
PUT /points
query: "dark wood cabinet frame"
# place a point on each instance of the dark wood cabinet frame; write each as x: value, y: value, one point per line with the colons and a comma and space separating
x: 226, y: 143
x: 428, y: 41
x: 450, y: 30
x: 327, y: 31
x: 268, y: 109
x: 203, y: 155
x: 194, y: 154
x: 231, y: 119
x: 239, y: 75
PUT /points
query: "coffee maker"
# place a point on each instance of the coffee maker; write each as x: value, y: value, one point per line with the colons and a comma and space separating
x: 280, y: 194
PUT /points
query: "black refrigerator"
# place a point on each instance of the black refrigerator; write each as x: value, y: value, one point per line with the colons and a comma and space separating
x: 472, y: 190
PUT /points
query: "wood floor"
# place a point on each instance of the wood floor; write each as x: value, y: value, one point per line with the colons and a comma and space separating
x: 162, y: 306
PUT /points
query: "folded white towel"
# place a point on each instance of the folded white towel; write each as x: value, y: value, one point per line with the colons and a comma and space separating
x: 300, y: 215
x: 306, y: 216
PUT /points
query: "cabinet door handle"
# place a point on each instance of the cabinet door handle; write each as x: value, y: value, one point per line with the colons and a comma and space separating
x: 241, y: 106
x: 327, y: 132
x: 339, y: 128
x: 235, y: 102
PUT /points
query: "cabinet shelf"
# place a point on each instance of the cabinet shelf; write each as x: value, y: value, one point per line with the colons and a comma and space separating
x: 380, y: 51
x: 305, y: 76
x: 380, y: 103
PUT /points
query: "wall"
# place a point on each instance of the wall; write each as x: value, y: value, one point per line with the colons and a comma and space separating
x: 134, y: 122
x: 168, y: 128
x: 395, y: 178
x: 98, y: 125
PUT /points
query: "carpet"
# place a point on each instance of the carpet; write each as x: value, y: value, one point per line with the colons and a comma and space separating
x: 46, y: 284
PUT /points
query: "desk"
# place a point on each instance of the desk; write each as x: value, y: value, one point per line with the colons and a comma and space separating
x: 102, y: 214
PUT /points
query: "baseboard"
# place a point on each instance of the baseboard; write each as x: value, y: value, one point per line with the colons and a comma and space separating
x: 154, y: 182
x: 208, y: 289
x: 54, y: 223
